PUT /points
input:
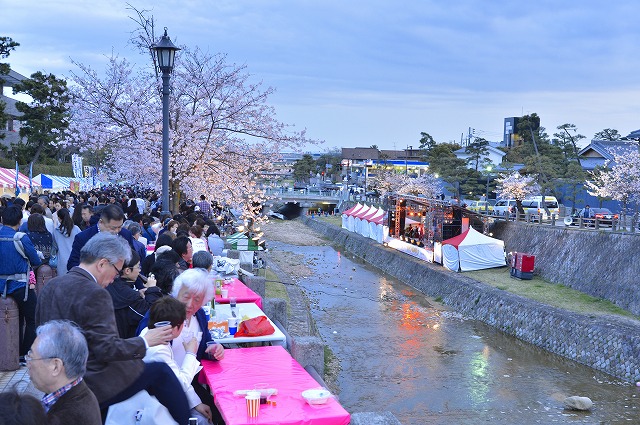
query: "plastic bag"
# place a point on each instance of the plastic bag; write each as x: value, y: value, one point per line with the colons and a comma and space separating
x: 257, y: 326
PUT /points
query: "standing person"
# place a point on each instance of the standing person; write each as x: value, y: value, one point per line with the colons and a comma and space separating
x: 63, y: 237
x: 57, y: 362
x: 110, y: 221
x: 115, y: 371
x: 14, y: 275
x: 205, y: 206
x: 587, y: 212
x: 40, y: 237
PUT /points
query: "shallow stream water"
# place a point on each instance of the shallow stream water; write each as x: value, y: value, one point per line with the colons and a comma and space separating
x: 400, y: 351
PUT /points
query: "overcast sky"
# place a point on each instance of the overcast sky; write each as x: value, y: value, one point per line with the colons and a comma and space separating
x: 360, y: 73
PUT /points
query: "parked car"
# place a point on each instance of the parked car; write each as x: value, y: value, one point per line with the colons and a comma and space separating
x: 536, y: 208
x: 604, y: 215
x: 481, y: 207
x: 505, y: 207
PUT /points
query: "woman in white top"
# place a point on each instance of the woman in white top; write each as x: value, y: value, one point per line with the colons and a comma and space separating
x: 171, y: 310
x: 63, y: 236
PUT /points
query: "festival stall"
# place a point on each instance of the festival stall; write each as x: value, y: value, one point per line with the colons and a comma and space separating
x: 471, y: 250
x: 347, y: 213
x: 352, y: 219
x: 8, y: 182
x: 51, y: 182
x: 364, y: 229
x: 357, y: 218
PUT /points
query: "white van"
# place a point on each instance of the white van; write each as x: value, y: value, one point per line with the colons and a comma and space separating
x: 535, y: 207
x: 504, y: 207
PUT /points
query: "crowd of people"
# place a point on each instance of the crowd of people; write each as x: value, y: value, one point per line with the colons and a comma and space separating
x: 88, y: 336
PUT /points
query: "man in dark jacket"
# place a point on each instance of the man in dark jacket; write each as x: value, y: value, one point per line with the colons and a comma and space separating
x: 111, y: 220
x: 115, y: 370
x: 57, y: 362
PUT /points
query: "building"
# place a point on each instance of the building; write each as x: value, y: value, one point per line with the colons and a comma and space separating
x: 601, y: 152
x: 494, y: 155
x: 11, y: 131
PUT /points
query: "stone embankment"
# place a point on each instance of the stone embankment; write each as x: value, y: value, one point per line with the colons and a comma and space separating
x: 606, y: 343
x: 597, y: 262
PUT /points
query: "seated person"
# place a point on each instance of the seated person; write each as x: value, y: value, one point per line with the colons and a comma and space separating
x: 57, y: 362
x: 172, y: 310
x: 130, y: 304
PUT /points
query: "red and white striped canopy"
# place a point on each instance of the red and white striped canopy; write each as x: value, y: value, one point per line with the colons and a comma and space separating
x: 8, y: 179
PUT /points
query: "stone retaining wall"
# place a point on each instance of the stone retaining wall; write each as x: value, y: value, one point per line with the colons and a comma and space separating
x: 609, y: 344
x: 598, y: 263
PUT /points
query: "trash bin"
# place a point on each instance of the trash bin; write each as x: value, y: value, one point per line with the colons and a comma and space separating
x: 522, y: 265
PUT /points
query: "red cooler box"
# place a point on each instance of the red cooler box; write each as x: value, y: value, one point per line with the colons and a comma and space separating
x: 522, y: 265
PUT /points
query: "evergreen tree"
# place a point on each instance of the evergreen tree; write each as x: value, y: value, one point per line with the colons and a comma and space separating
x: 45, y: 119
x: 304, y: 168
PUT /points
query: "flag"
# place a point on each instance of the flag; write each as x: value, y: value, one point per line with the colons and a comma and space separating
x: 17, y: 172
x: 30, y: 177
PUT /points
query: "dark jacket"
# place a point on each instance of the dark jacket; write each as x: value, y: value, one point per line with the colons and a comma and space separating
x: 114, y: 363
x: 77, y: 406
x: 129, y: 306
x: 83, y: 237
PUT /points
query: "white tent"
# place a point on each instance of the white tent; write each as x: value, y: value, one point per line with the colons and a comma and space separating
x: 347, y: 214
x: 377, y: 227
x: 49, y: 181
x: 472, y: 250
x: 366, y: 220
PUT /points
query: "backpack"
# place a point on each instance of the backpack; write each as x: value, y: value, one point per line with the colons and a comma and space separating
x: 19, y: 277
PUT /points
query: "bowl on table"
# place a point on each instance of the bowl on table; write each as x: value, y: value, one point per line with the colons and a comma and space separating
x: 316, y: 396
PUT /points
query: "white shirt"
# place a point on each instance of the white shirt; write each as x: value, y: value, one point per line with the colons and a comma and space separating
x: 185, y: 367
x: 198, y: 245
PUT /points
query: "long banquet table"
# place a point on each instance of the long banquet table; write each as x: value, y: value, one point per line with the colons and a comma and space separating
x: 241, y: 292
x: 250, y: 310
x: 243, y: 368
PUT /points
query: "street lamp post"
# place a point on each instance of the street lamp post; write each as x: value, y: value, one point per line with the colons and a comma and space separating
x: 165, y: 52
x: 486, y: 206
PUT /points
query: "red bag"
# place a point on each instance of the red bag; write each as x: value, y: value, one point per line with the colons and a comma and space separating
x: 257, y: 326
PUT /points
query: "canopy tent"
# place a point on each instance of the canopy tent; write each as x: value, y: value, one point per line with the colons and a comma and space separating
x: 365, y: 220
x: 376, y: 226
x: 48, y: 181
x: 351, y: 218
x: 471, y: 250
x: 8, y: 179
x: 347, y: 213
x: 357, y: 218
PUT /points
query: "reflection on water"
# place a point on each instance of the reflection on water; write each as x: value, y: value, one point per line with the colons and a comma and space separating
x: 404, y: 353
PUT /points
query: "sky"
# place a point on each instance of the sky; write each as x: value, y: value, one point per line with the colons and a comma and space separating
x: 361, y: 73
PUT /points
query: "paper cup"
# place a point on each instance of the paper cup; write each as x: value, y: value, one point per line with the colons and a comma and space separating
x: 233, y: 325
x: 224, y: 293
x: 162, y: 324
x: 253, y: 403
x: 210, y: 355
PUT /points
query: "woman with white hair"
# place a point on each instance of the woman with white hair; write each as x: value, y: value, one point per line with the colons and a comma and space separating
x: 194, y: 288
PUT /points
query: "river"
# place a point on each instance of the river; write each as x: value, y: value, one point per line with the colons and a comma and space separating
x: 406, y: 353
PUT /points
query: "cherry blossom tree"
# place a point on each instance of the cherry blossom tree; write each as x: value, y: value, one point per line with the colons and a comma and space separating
x: 387, y: 181
x: 223, y: 133
x: 620, y: 182
x: 516, y: 186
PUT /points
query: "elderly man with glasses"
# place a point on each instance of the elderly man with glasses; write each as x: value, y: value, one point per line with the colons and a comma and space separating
x: 57, y: 362
x: 111, y: 220
x: 115, y: 370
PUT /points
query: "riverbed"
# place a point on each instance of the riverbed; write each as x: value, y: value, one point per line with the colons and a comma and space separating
x: 401, y: 351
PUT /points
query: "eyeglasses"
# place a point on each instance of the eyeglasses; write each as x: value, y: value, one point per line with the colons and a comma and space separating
x: 117, y: 269
x: 29, y: 359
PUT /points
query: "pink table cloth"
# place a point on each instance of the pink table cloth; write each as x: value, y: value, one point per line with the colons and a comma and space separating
x: 242, y: 293
x: 242, y: 368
